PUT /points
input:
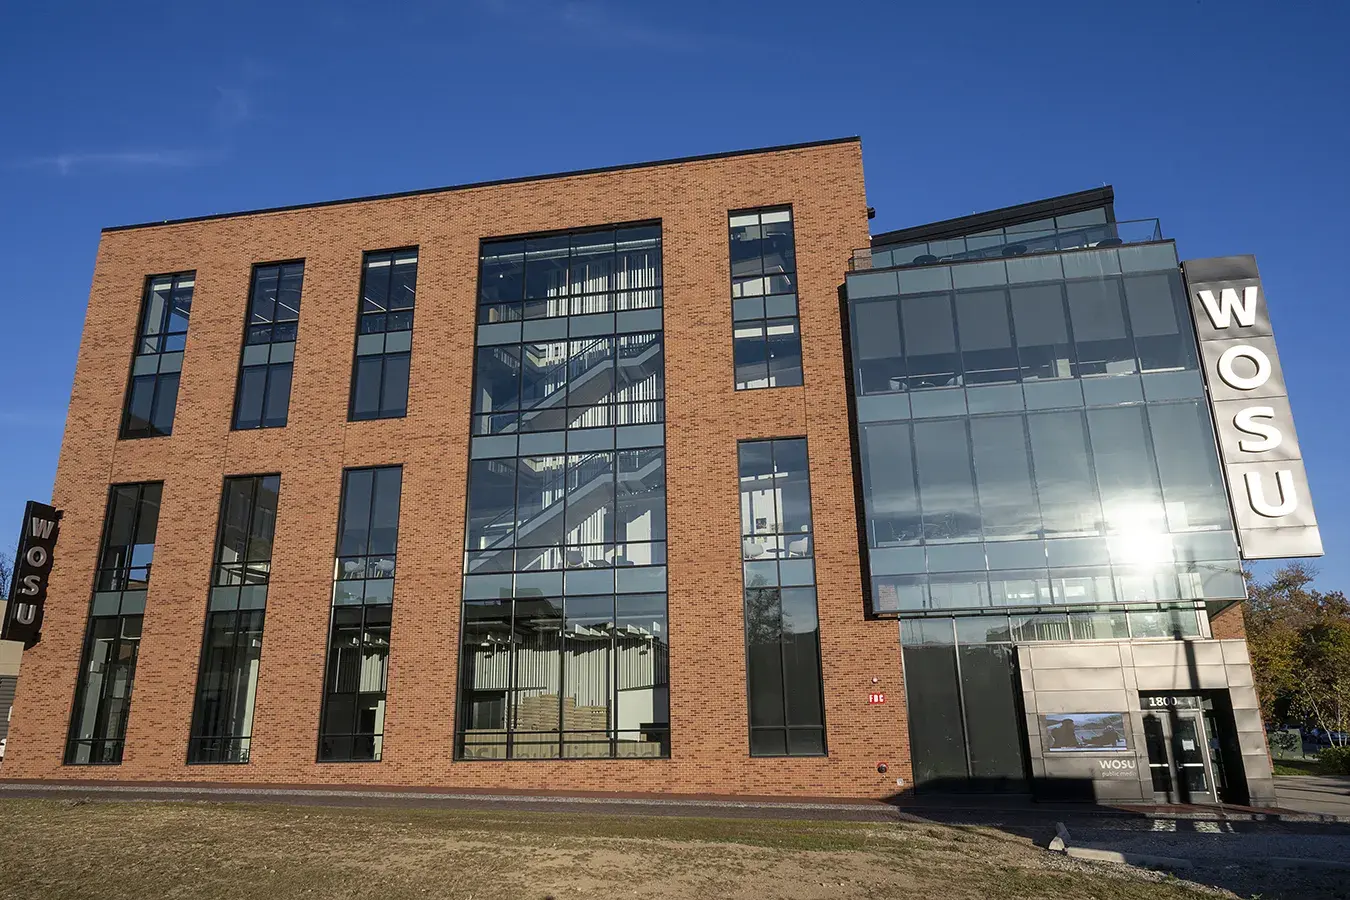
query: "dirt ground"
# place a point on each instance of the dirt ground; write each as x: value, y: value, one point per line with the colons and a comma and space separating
x: 55, y: 850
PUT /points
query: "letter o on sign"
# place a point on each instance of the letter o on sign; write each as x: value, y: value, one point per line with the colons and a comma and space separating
x: 1242, y: 382
x: 36, y: 557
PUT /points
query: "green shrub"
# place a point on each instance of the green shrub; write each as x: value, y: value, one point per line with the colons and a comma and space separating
x: 1334, y: 760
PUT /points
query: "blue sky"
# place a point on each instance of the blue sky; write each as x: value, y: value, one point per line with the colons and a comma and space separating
x: 1230, y: 121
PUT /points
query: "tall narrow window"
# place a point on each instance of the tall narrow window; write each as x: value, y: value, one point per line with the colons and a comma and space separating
x: 782, y: 634
x: 767, y: 342
x: 98, y: 723
x: 384, y: 335
x: 264, y: 392
x: 160, y: 339
x: 357, y: 674
x: 227, y: 680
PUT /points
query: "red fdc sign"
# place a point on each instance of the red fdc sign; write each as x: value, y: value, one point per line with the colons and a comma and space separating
x: 875, y: 697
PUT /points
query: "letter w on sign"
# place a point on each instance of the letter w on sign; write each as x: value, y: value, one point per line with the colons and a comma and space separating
x: 1222, y: 311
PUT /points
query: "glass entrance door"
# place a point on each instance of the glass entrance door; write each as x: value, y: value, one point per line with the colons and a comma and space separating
x: 1179, y: 756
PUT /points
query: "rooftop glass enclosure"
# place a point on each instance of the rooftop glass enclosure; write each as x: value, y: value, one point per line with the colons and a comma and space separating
x: 1033, y: 430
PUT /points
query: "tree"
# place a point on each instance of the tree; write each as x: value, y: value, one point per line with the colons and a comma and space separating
x: 1300, y: 645
x: 6, y: 572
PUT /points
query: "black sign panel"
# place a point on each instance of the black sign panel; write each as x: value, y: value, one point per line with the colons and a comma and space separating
x: 28, y: 586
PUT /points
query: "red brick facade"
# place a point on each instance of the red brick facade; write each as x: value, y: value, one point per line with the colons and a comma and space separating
x: 705, y: 418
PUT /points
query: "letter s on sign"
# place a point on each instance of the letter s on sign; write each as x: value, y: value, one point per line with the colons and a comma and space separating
x: 29, y: 586
x: 1245, y: 421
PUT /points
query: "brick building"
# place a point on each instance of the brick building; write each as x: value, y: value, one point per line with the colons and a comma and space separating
x: 620, y: 480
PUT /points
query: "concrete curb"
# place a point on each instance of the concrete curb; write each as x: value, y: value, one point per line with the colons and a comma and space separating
x: 1132, y: 859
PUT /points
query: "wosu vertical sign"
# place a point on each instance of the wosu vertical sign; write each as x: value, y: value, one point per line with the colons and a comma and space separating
x: 33, y: 565
x: 1266, y: 478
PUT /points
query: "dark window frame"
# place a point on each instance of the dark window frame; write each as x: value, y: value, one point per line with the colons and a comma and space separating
x: 271, y: 368
x: 384, y: 355
x: 124, y: 617
x: 765, y: 321
x: 250, y: 577
x: 160, y: 380
x: 787, y: 728
x: 377, y: 738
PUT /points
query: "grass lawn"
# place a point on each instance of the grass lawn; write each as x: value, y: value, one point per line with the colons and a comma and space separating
x: 57, y: 850
x: 1297, y: 767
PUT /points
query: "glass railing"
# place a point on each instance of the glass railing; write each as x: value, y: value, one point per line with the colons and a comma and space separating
x: 1012, y: 243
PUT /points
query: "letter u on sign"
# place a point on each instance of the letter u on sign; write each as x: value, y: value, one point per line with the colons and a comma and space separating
x: 1256, y: 493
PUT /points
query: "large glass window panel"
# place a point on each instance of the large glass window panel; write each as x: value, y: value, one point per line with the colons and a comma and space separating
x: 546, y: 268
x: 535, y: 711
x: 937, y: 734
x: 492, y: 504
x: 877, y: 352
x: 764, y: 638
x: 1101, y: 336
x: 1126, y: 474
x: 641, y: 500
x: 1008, y: 504
x: 1160, y: 321
x: 946, y: 482
x: 589, y: 516
x: 1040, y: 321
x: 987, y: 352
x: 541, y: 483
x: 991, y: 700
x: 588, y: 677
x: 1192, y: 485
x: 1064, y: 479
x: 485, y: 679
x: 784, y: 350
x: 930, y: 341
x: 890, y: 497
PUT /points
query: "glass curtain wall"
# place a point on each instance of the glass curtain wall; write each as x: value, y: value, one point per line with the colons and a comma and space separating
x: 356, y: 677
x: 782, y: 631
x: 565, y: 649
x: 1034, y: 431
x: 227, y: 680
x: 161, y: 338
x: 113, y: 636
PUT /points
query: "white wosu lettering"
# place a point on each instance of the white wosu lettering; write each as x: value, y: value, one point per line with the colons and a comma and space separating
x: 1284, y: 480
x: 36, y: 557
x: 1245, y: 421
x: 25, y: 613
x: 1221, y: 312
x: 41, y: 528
x: 29, y: 585
x: 1244, y: 382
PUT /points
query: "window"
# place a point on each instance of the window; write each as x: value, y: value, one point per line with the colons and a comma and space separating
x: 767, y: 332
x: 565, y: 642
x: 384, y: 335
x: 581, y: 273
x: 782, y: 632
x: 351, y: 725
x: 160, y: 339
x: 263, y: 395
x: 108, y: 663
x: 227, y: 679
